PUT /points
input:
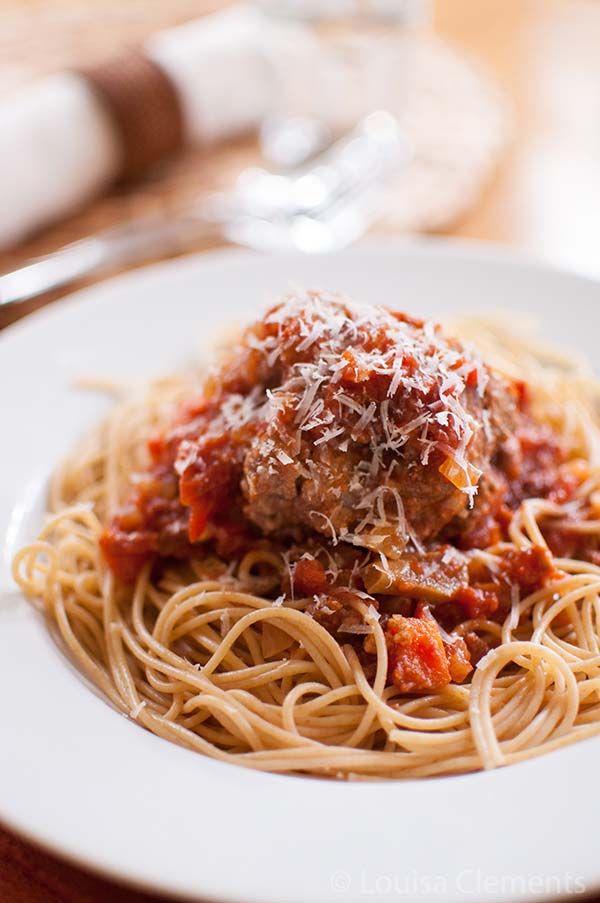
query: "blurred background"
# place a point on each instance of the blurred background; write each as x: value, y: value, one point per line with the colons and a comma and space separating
x: 111, y: 110
x: 116, y: 110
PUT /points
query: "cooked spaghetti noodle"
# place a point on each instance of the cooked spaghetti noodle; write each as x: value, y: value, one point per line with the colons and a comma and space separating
x: 222, y: 653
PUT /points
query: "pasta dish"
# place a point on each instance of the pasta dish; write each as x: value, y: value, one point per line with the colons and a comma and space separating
x: 357, y: 546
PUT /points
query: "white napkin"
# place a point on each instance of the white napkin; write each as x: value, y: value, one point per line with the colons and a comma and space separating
x: 57, y: 145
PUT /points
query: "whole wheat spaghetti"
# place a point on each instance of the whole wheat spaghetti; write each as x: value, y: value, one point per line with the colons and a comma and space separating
x: 364, y: 579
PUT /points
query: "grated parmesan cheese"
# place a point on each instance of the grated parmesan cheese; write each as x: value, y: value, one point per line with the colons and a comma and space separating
x: 284, y: 458
x: 324, y: 345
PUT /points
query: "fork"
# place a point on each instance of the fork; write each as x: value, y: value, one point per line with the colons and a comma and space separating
x: 320, y: 206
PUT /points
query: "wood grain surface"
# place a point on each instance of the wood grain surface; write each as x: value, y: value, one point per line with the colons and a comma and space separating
x: 545, y: 197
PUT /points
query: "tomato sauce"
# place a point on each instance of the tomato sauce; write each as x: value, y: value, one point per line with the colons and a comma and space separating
x: 191, y: 502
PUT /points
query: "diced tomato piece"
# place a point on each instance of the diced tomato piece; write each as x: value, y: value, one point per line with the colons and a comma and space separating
x: 406, y: 318
x: 417, y: 658
x: 309, y: 578
x: 124, y: 555
x: 199, y: 515
x: 530, y: 568
x: 457, y: 652
x: 472, y: 378
x: 477, y: 601
x: 523, y: 395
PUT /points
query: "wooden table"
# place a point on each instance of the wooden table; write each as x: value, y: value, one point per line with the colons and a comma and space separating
x: 545, y: 199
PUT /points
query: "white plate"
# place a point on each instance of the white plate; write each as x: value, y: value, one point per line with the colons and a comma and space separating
x: 91, y: 785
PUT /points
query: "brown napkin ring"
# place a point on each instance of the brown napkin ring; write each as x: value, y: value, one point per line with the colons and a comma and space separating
x: 144, y: 106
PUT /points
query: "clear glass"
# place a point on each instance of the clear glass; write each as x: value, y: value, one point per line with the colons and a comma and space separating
x: 357, y: 54
x: 400, y: 12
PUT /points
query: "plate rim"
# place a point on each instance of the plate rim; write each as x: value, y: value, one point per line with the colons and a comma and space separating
x: 483, y: 249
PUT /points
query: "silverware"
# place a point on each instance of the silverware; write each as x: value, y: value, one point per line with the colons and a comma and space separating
x: 320, y: 206
x: 289, y: 141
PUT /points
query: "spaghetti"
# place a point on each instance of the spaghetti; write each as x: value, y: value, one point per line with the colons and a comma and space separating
x: 359, y: 643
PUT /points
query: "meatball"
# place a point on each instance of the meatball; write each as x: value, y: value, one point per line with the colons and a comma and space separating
x: 335, y: 488
x: 377, y: 429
